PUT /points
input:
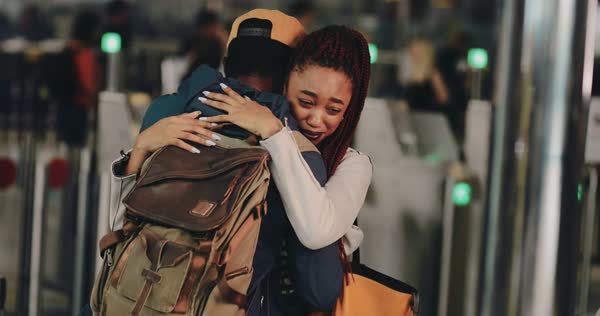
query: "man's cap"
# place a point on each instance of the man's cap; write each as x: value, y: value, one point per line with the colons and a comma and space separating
x: 285, y: 29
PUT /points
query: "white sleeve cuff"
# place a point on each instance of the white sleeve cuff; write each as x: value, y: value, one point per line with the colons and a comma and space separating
x: 120, y: 186
x: 352, y: 239
x: 276, y: 139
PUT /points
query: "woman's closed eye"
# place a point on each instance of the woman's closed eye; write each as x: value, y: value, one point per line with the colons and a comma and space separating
x: 305, y: 103
x: 334, y: 111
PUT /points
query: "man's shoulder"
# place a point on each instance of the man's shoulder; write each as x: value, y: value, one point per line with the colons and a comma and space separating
x: 202, y: 77
x: 277, y: 103
x: 163, y: 106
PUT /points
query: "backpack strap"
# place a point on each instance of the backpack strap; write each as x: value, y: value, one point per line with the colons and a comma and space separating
x: 115, y: 237
x: 303, y: 143
x: 110, y: 239
x: 230, y: 294
x: 227, y: 291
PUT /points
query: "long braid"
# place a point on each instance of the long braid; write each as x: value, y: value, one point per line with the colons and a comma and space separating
x: 342, y: 49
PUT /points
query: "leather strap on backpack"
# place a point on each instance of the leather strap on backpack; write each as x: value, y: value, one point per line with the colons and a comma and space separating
x: 303, y: 143
x: 116, y: 236
x: 110, y: 240
x: 230, y: 294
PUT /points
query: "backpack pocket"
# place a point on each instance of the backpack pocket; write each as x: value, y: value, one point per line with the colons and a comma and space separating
x: 196, y: 193
x: 156, y: 273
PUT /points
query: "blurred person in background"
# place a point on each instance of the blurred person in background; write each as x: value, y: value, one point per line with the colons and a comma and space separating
x: 207, y: 24
x: 33, y: 25
x: 304, y: 11
x: 422, y: 84
x: 207, y: 50
x: 205, y: 44
x: 80, y: 82
x: 452, y: 64
x: 200, y: 47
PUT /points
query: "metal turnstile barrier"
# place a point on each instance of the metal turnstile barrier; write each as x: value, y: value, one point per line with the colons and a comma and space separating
x: 402, y: 218
x: 12, y: 202
x: 424, y: 211
x: 43, y: 208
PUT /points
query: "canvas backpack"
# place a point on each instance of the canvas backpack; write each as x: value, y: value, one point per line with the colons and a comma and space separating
x: 191, y: 228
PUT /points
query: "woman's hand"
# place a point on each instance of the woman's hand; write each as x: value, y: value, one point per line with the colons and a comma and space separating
x: 243, y: 112
x: 174, y: 130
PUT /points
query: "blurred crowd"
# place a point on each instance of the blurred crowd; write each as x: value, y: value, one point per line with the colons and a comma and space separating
x: 431, y: 73
x: 431, y: 79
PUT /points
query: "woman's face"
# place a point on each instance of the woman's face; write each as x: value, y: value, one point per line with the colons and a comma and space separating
x: 319, y: 98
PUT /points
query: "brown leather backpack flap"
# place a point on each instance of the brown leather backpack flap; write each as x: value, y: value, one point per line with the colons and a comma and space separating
x: 195, y: 192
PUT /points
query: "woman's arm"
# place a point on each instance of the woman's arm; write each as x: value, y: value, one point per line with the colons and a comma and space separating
x: 319, y: 215
x: 174, y: 131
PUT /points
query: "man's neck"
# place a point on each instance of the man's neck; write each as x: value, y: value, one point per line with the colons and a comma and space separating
x: 259, y: 83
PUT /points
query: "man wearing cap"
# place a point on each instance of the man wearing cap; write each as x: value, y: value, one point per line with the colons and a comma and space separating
x: 258, y: 51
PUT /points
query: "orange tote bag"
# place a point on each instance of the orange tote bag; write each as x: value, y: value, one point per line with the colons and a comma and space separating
x: 367, y: 292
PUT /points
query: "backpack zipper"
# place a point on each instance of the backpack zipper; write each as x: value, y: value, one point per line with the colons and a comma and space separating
x: 109, y: 257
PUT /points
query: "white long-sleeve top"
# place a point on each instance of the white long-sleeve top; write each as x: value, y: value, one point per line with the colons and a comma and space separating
x: 319, y: 215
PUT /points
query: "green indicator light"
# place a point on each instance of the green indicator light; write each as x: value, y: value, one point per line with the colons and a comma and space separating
x: 432, y: 159
x: 579, y: 192
x: 111, y: 43
x: 461, y: 194
x: 374, y: 52
x: 477, y: 58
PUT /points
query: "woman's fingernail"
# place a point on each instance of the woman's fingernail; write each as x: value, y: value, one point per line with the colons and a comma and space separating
x: 202, y: 99
x: 215, y: 136
x: 210, y: 143
x: 195, y: 150
x: 203, y: 118
x: 247, y: 98
x: 223, y: 86
x: 214, y: 124
x: 206, y: 93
